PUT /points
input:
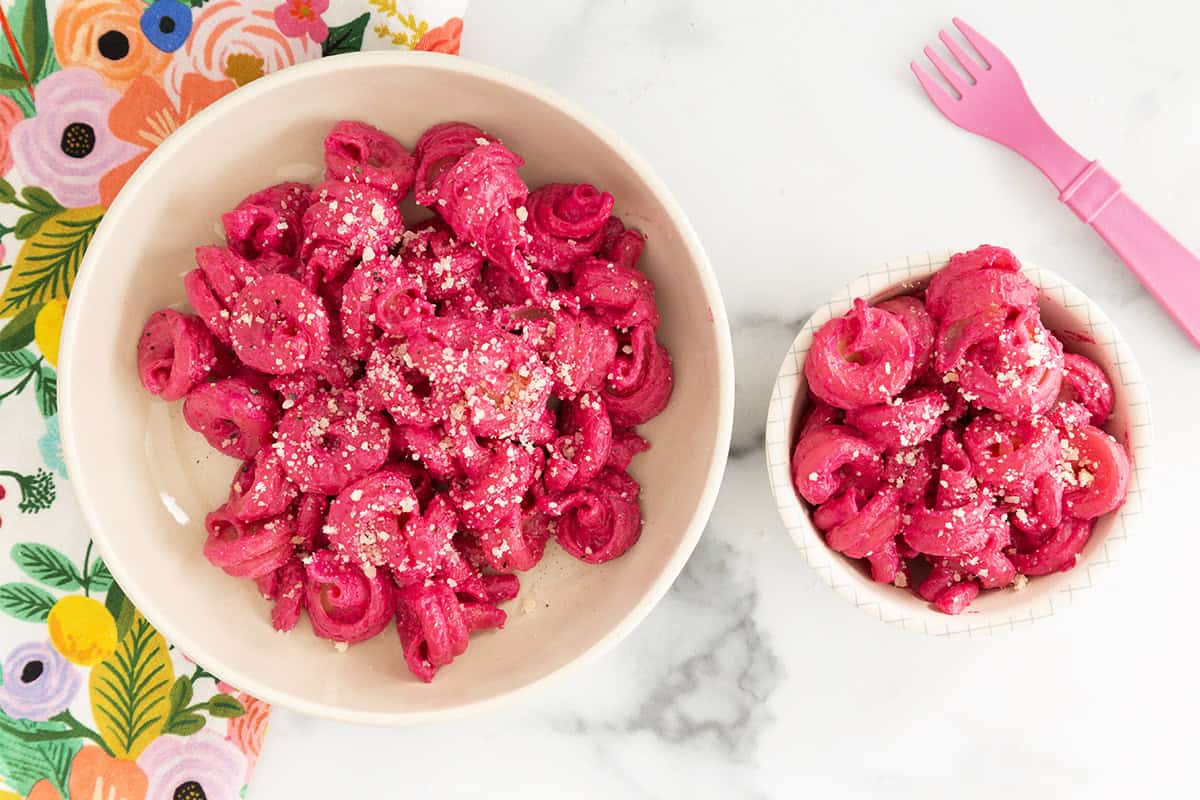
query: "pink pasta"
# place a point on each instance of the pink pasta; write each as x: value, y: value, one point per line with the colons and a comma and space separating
x: 380, y: 297
x: 576, y: 347
x: 261, y: 488
x: 447, y: 268
x: 920, y: 326
x: 872, y: 527
x: 175, y: 353
x: 213, y: 287
x: 861, y: 359
x: 344, y: 603
x: 951, y: 444
x: 435, y: 625
x: 235, y: 415
x: 827, y: 458
x: 327, y: 440
x: 576, y: 457
x: 600, y: 521
x: 248, y: 549
x: 472, y: 183
x: 565, y: 224
x: 902, y: 422
x: 640, y: 379
x: 367, y: 521
x: 619, y: 295
x: 278, y: 326
x: 419, y: 408
x: 359, y: 153
x: 265, y: 228
x: 1084, y: 382
x: 1096, y: 470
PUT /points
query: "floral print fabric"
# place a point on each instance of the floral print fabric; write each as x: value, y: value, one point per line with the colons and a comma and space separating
x: 94, y: 702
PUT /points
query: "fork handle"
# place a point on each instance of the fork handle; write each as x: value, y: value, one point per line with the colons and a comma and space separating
x: 1164, y: 266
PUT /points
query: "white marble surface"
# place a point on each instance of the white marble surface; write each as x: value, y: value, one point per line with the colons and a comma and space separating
x: 804, y: 152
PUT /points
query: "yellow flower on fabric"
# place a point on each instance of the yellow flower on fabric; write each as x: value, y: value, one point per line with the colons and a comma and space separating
x: 82, y: 630
x: 9, y: 796
x: 47, y: 328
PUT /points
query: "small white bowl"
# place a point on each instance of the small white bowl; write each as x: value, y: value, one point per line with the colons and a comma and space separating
x: 1084, y: 329
x: 145, y: 481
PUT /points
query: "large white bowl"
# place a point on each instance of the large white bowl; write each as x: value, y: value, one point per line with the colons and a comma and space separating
x: 1084, y: 328
x: 145, y: 481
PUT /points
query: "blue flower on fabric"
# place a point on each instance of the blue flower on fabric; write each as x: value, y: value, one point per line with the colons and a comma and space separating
x: 38, y: 682
x: 167, y: 24
x: 50, y: 446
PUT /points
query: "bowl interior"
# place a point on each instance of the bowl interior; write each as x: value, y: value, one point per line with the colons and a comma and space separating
x: 145, y: 480
x: 1084, y: 329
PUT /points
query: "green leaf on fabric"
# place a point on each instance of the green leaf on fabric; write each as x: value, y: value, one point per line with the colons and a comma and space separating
x: 24, y: 762
x: 40, y: 205
x: 19, y: 331
x: 186, y: 724
x: 46, y: 391
x: 39, y: 199
x: 99, y: 579
x: 16, y: 363
x: 225, y: 706
x: 29, y: 223
x: 35, y: 39
x: 7, y: 192
x: 121, y: 609
x: 11, y: 77
x: 181, y: 694
x: 347, y: 38
x: 26, y: 602
x: 31, y: 31
x: 47, y: 263
x: 47, y: 565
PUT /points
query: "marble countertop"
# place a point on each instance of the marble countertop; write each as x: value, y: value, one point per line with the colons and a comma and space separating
x: 804, y: 153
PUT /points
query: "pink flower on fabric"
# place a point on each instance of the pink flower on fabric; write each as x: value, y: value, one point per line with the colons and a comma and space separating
x: 67, y: 146
x: 200, y: 765
x: 300, y: 18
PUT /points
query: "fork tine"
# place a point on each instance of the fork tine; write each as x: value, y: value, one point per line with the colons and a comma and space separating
x: 952, y: 77
x: 939, y: 96
x: 970, y: 65
x: 991, y: 54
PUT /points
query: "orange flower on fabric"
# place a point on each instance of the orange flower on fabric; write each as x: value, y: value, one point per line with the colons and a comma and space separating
x: 10, y: 115
x: 95, y: 774
x: 248, y: 730
x: 443, y: 39
x: 106, y: 37
x: 236, y: 39
x: 145, y: 116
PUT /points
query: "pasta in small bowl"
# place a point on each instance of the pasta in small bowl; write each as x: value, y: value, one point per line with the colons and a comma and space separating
x: 959, y: 443
x: 400, y: 407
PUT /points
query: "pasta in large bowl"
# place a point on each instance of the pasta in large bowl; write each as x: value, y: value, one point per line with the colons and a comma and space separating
x: 388, y: 410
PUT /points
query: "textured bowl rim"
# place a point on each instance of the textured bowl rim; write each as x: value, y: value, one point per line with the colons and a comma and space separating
x: 176, y: 631
x: 896, y: 606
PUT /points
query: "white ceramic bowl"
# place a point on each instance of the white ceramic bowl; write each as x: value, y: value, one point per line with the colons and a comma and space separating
x: 1085, y: 329
x: 145, y: 481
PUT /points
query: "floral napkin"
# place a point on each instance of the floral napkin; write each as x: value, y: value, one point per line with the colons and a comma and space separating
x: 94, y: 702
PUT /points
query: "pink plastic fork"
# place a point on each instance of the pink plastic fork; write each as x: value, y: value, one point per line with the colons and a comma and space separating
x: 994, y: 104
